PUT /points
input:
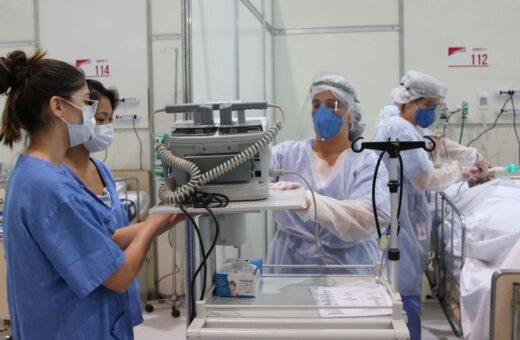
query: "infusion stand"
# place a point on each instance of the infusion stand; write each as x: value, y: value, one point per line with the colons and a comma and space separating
x: 393, y: 148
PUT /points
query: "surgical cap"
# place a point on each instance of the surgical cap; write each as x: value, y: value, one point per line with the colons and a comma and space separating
x: 344, y: 91
x: 416, y: 85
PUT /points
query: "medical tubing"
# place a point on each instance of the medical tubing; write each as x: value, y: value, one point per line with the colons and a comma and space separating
x: 166, y: 195
x: 462, y: 128
x: 494, y: 123
x: 316, y: 226
x: 401, y: 183
x: 281, y: 111
x: 452, y: 113
x: 514, y: 126
x: 401, y: 180
x: 140, y: 144
x: 374, y: 206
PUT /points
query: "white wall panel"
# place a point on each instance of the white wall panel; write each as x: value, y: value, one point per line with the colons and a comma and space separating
x: 102, y: 30
x: 16, y: 20
x: 166, y: 15
x: 369, y: 60
x: 213, y: 50
x: 467, y: 23
x: 251, y: 56
x: 314, y: 13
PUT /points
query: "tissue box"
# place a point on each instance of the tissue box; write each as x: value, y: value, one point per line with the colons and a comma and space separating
x: 238, y: 278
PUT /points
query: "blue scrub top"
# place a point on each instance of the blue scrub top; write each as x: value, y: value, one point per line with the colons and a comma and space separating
x: 119, y: 218
x: 59, y: 252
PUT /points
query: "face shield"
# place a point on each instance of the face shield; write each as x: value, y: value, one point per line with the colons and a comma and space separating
x: 416, y: 85
x: 343, y: 102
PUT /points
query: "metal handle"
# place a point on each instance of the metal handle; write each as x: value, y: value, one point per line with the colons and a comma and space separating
x: 393, y: 147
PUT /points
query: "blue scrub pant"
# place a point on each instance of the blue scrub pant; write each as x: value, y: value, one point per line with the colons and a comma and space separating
x: 412, y: 307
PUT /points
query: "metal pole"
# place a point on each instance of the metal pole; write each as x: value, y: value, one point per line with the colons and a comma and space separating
x: 394, y: 275
x: 176, y: 83
x: 401, y: 38
x: 516, y: 311
x: 152, y: 142
x: 186, y: 32
x: 187, y: 77
x: 264, y: 81
x: 36, y: 24
x: 237, y: 54
x: 440, y: 292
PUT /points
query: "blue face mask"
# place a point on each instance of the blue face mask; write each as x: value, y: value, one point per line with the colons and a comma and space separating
x: 326, y: 123
x: 425, y: 117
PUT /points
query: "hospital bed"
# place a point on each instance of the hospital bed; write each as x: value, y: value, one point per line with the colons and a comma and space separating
x: 135, y: 201
x: 474, y: 234
x: 133, y: 188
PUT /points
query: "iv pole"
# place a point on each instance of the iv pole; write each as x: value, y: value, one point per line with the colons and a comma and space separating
x: 393, y: 148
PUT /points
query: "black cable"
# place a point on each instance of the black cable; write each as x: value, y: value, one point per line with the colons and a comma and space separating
x: 374, y: 205
x: 494, y: 124
x: 514, y: 125
x: 401, y: 181
x: 202, y: 251
x: 205, y: 201
x: 401, y: 190
x: 106, y: 155
x: 203, y: 265
x: 452, y: 113
x: 140, y: 145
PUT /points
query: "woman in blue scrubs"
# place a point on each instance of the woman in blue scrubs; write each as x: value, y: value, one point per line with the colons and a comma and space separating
x: 97, y: 179
x: 67, y: 274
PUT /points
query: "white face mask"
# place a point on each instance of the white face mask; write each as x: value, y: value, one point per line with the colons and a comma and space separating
x: 80, y: 133
x: 101, y: 139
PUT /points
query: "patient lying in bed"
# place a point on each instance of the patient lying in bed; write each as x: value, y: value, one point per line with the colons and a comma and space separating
x: 492, y: 212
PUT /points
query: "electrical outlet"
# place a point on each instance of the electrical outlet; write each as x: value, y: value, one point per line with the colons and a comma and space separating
x: 126, y: 116
x: 482, y: 101
x: 129, y: 100
x: 508, y: 92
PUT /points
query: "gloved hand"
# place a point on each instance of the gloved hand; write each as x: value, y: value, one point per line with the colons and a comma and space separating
x: 482, y: 165
x: 282, y: 185
x: 470, y: 172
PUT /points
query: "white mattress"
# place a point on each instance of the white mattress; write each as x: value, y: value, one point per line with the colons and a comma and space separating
x: 144, y: 197
x: 491, y: 210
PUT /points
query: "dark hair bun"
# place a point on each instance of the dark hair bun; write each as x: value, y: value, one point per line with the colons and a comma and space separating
x: 14, y: 68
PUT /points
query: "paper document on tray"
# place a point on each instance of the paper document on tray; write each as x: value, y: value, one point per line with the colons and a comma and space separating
x: 352, y: 296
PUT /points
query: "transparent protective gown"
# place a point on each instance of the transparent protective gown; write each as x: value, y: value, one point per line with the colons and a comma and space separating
x: 343, y: 193
x: 415, y: 219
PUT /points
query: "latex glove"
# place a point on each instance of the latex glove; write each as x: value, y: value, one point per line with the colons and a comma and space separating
x: 471, y: 173
x: 482, y: 165
x: 282, y: 185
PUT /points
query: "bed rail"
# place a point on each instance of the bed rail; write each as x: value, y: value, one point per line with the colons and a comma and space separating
x: 443, y: 281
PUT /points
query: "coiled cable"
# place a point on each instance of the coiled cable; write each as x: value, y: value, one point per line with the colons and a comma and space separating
x: 169, y: 195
